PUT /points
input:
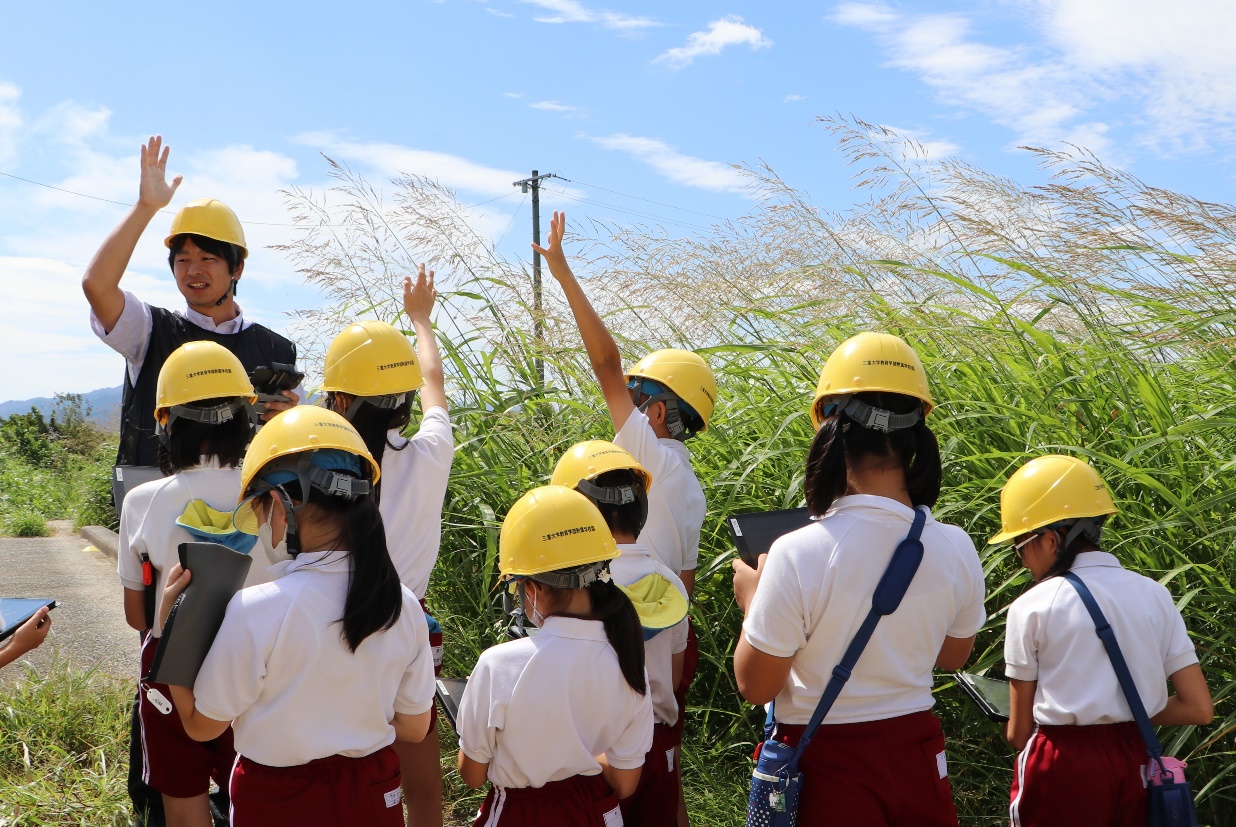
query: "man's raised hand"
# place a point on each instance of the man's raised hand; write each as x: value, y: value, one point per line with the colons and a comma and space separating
x: 155, y: 192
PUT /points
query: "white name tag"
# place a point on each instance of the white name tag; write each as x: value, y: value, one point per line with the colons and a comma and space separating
x: 394, y: 797
x: 160, y: 703
x: 942, y: 765
x: 669, y: 760
x: 613, y: 818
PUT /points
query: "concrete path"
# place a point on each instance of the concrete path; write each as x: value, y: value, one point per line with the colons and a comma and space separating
x: 88, y: 629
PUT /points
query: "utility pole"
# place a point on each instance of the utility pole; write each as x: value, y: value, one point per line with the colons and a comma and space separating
x: 538, y: 325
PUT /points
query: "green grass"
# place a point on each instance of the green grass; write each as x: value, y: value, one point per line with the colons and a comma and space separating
x: 64, y: 754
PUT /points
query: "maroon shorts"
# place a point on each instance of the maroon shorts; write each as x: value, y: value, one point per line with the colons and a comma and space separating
x: 889, y: 773
x: 175, y: 764
x: 690, y: 662
x: 329, y: 792
x: 579, y: 801
x: 1080, y: 775
x: 655, y: 800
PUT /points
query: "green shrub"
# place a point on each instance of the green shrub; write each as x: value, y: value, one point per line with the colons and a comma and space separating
x: 26, y: 524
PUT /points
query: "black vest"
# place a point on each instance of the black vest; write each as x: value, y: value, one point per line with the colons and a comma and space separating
x: 254, y: 346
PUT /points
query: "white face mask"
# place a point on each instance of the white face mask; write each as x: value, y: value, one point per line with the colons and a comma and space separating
x: 266, y: 541
x: 538, y: 619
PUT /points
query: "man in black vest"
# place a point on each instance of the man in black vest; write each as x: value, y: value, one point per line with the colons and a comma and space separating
x: 207, y: 258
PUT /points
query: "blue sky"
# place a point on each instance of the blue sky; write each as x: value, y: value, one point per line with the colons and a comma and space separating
x: 624, y: 98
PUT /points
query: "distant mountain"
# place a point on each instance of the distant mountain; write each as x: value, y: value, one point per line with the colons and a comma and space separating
x: 103, y: 404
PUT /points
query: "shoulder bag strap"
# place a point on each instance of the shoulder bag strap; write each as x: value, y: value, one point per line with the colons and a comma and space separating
x: 887, y: 597
x: 1108, y: 636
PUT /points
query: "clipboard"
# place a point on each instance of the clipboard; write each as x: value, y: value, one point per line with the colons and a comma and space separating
x: 449, y: 692
x: 991, y: 695
x: 218, y: 573
x: 753, y: 533
x: 14, y: 611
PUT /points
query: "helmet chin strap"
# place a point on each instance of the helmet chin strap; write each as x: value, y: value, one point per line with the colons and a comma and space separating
x: 231, y: 291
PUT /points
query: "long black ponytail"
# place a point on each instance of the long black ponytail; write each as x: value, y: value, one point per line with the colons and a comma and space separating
x: 374, y: 600
x: 840, y: 441
x: 614, y: 609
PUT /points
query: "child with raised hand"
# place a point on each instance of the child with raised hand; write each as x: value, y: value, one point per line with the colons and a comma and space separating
x: 1082, y: 757
x: 559, y: 723
x: 879, y: 757
x: 372, y: 375
x: 664, y: 400
x: 323, y: 668
x: 202, y: 421
x: 619, y: 487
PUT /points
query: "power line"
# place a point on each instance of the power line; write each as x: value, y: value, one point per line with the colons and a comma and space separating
x: 125, y: 204
x: 637, y: 213
x: 641, y: 198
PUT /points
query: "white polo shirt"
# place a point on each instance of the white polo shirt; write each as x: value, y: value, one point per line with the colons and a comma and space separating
x: 1050, y: 638
x: 676, y: 505
x: 414, y: 478
x: 148, y: 525
x: 538, y: 709
x: 634, y: 563
x: 281, y: 671
x: 816, y: 590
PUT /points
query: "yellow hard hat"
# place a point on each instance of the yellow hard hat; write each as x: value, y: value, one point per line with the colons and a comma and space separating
x: 305, y: 429
x: 872, y: 362
x: 1048, y: 490
x: 685, y: 374
x: 200, y: 370
x: 592, y: 458
x: 371, y: 359
x: 552, y: 528
x: 211, y: 218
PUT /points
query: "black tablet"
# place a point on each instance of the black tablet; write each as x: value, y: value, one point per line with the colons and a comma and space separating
x: 991, y: 694
x: 754, y: 533
x: 449, y: 691
x: 14, y: 611
x: 127, y: 477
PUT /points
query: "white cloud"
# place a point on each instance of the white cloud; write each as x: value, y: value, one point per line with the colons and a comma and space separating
x: 497, y: 13
x: 864, y: 15
x: 1174, y: 59
x: 728, y: 31
x: 387, y: 160
x: 1044, y: 101
x: 935, y: 149
x: 515, y: 95
x: 1173, y: 63
x: 791, y: 98
x: 554, y: 106
x: 572, y: 11
x: 672, y: 164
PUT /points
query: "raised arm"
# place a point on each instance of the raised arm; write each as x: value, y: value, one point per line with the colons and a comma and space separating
x: 418, y: 300
x: 101, y: 283
x: 602, y: 350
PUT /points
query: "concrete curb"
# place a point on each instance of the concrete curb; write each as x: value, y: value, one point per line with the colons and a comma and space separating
x: 104, y: 539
